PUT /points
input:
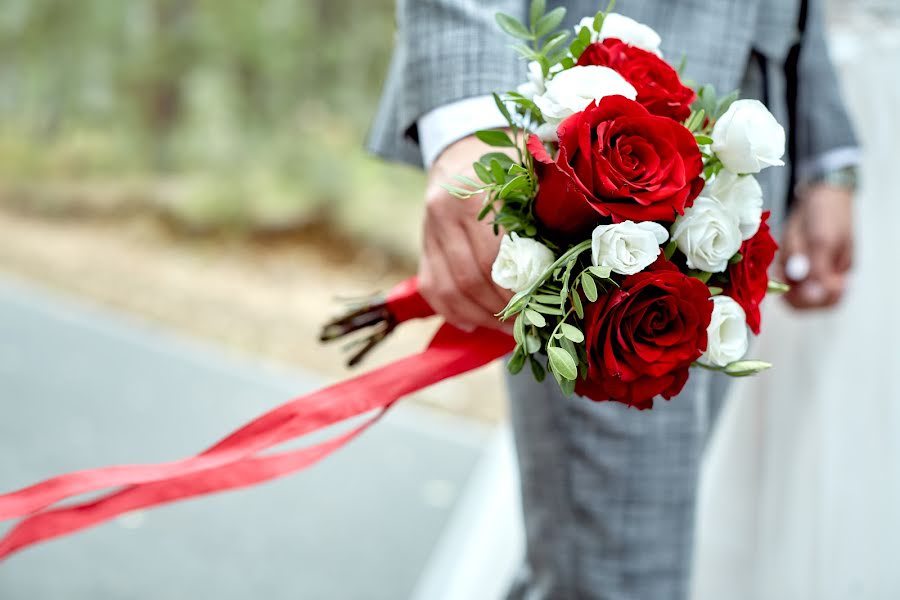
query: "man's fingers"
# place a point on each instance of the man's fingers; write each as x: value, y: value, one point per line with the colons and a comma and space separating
x: 485, y: 245
x: 444, y: 299
x: 440, y: 290
x: 463, y: 266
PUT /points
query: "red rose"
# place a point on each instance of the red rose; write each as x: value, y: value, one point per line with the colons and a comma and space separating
x: 643, y: 336
x: 748, y: 279
x: 659, y: 89
x: 615, y: 160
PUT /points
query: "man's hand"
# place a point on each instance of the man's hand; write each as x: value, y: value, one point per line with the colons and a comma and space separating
x: 455, y: 271
x: 820, y: 228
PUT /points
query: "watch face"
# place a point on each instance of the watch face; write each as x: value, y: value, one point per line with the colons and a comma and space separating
x: 846, y: 177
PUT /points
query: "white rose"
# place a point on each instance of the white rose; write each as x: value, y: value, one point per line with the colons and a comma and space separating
x: 747, y: 138
x: 628, y: 247
x: 708, y: 235
x: 535, y: 83
x: 520, y: 262
x: 572, y: 90
x: 626, y: 29
x: 727, y: 333
x: 742, y: 196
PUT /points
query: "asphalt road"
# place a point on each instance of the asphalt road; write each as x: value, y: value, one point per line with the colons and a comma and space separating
x: 81, y: 387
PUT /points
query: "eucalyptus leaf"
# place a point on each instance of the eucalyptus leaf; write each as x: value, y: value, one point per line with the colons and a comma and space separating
x: 482, y: 173
x: 555, y: 42
x: 495, y: 137
x: 519, y: 329
x: 562, y: 363
x: 537, y: 369
x: 743, y: 368
x: 498, y: 172
x: 532, y: 344
x: 538, y: 7
x: 513, y: 185
x: 576, y: 304
x: 505, y: 161
x: 501, y: 106
x: 589, y: 287
x: 513, y: 27
x: 776, y: 287
x: 571, y: 332
x: 535, y: 318
x: 601, y: 272
x: 517, y: 361
x: 547, y: 310
x: 549, y: 22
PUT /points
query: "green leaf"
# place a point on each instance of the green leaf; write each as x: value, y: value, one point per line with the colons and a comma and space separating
x: 532, y: 344
x: 550, y: 21
x: 519, y: 329
x: 562, y: 363
x: 515, y: 304
x: 513, y: 27
x: 703, y: 140
x: 576, y: 304
x: 589, y: 287
x: 501, y: 106
x: 547, y: 310
x: 584, y: 36
x: 776, y: 287
x: 601, y: 272
x: 567, y: 386
x: 457, y: 191
x: 571, y: 332
x: 538, y: 7
x: 736, y: 259
x: 495, y: 137
x: 598, y: 21
x: 671, y: 247
x: 468, y: 181
x: 715, y: 291
x: 513, y: 185
x: 537, y: 369
x: 743, y: 368
x: 610, y: 6
x: 483, y: 174
x: 568, y: 62
x: 554, y: 42
x: 498, y: 172
x: 505, y: 161
x: 517, y: 361
x: 535, y: 318
x: 551, y: 299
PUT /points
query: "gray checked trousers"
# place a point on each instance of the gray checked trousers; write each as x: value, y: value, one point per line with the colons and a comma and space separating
x: 609, y: 492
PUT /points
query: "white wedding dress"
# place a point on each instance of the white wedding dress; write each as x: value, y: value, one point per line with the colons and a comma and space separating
x: 800, y: 498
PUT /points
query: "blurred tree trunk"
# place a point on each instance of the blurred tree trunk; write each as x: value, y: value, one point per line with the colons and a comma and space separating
x: 162, y: 97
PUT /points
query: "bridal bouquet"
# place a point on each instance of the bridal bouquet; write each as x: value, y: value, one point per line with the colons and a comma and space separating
x: 634, y: 236
x: 634, y: 240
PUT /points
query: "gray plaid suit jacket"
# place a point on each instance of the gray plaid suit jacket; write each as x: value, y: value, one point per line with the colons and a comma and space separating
x: 608, y: 492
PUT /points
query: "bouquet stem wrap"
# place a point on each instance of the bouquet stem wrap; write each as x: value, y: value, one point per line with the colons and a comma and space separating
x: 239, y: 459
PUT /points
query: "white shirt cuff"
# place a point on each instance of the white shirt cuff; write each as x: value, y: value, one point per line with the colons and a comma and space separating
x: 451, y: 122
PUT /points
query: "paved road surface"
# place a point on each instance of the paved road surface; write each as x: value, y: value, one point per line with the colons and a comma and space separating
x: 80, y: 387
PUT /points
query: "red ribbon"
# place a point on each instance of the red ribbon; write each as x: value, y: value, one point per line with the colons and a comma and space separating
x: 237, y: 461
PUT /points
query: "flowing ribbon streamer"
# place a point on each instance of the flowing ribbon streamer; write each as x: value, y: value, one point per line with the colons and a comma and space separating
x: 235, y: 461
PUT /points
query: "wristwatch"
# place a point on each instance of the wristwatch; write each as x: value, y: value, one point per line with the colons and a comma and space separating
x: 845, y: 177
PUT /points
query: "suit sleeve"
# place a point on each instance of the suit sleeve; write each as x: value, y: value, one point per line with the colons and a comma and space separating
x: 824, y: 132
x: 446, y: 50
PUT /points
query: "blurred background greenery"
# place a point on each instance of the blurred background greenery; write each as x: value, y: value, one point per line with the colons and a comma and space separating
x: 216, y: 115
